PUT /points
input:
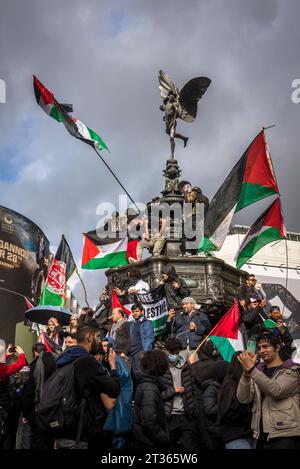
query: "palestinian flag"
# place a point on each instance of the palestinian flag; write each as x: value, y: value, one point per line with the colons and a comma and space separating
x: 267, y: 228
x: 116, y: 303
x: 252, y: 179
x: 75, y: 127
x: 45, y: 99
x: 62, y: 267
x: 226, y: 335
x: 103, y: 253
x: 50, y: 345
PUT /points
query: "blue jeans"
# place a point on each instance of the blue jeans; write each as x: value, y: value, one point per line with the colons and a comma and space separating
x: 241, y: 443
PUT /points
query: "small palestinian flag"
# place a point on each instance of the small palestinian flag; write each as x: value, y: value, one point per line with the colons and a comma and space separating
x: 103, y: 253
x: 252, y: 179
x: 267, y: 228
x: 75, y: 127
x: 62, y: 267
x: 226, y: 335
x: 50, y: 345
x: 116, y: 303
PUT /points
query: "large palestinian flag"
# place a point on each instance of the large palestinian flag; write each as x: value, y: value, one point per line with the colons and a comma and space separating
x: 62, y: 267
x: 226, y: 335
x: 103, y: 253
x: 252, y: 179
x: 75, y: 127
x: 267, y: 228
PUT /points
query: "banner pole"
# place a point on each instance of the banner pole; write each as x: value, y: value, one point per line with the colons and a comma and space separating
x: 83, y: 286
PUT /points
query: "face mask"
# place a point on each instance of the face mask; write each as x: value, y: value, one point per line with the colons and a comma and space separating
x: 173, y: 358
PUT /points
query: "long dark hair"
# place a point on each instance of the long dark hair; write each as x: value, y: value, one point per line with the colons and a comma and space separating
x: 230, y: 384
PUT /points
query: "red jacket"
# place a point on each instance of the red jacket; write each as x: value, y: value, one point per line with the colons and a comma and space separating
x: 8, y: 370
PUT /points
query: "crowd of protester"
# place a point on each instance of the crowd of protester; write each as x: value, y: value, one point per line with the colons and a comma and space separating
x: 109, y: 383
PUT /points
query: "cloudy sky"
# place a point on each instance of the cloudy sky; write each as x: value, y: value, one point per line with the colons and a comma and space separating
x: 104, y: 57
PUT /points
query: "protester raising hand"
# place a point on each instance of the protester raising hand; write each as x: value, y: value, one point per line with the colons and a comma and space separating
x: 248, y: 361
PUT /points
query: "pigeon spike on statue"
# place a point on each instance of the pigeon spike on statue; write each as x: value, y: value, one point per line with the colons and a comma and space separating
x: 182, y: 104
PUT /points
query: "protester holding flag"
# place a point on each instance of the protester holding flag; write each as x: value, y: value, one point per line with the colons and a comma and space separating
x: 190, y: 326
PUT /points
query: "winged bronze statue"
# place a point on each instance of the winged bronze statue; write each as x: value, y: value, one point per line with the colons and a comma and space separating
x: 180, y: 104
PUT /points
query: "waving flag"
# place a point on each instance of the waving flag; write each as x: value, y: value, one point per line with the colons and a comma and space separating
x: 59, y: 112
x: 267, y: 228
x: 252, y: 179
x: 104, y: 253
x: 226, y: 335
x: 62, y: 267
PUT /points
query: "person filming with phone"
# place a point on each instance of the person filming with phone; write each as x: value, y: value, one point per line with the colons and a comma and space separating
x: 273, y: 388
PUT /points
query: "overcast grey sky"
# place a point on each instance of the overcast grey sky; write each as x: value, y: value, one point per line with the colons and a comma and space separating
x: 104, y: 57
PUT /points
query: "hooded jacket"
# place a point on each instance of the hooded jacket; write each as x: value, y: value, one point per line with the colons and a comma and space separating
x: 169, y: 393
x: 174, y: 296
x: 29, y: 397
x: 149, y: 421
x: 90, y: 380
x: 279, y: 407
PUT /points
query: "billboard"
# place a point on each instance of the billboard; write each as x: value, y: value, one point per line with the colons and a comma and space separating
x: 282, y: 288
x: 24, y: 261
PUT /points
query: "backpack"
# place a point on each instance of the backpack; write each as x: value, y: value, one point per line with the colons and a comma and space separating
x: 59, y: 405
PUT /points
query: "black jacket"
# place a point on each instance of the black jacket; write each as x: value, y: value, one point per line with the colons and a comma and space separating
x: 169, y: 393
x: 174, y: 296
x: 28, y: 404
x: 90, y: 380
x: 179, y: 327
x: 102, y: 313
x: 253, y: 321
x: 234, y: 417
x: 210, y: 393
x: 149, y: 421
x: 123, y: 339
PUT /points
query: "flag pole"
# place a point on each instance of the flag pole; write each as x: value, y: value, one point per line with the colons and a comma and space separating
x: 16, y: 293
x: 286, y: 273
x: 117, y: 179
x: 83, y: 286
x: 200, y: 345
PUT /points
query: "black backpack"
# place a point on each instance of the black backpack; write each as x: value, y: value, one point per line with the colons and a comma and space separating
x: 59, y: 405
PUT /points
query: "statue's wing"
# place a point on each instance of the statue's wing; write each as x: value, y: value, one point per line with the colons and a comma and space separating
x: 189, y: 96
x: 166, y: 84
